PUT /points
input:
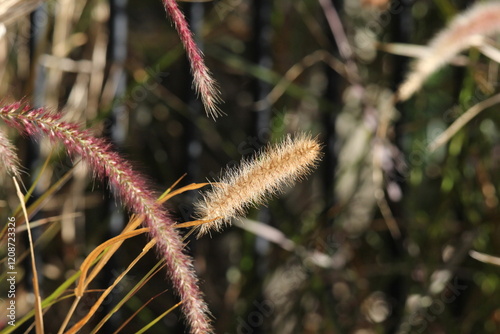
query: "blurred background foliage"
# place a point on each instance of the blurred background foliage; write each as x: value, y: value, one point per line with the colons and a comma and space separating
x: 376, y: 240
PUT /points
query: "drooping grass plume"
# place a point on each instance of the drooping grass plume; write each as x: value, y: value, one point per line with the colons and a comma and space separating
x: 204, y: 83
x: 481, y: 20
x: 10, y: 161
x: 131, y: 188
x: 254, y: 180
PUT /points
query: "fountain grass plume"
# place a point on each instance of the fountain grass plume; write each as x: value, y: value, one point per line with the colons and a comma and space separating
x: 481, y: 20
x: 131, y: 188
x: 275, y: 167
x: 205, y: 85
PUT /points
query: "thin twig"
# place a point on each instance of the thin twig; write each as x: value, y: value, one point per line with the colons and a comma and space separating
x: 297, y: 69
x: 462, y: 121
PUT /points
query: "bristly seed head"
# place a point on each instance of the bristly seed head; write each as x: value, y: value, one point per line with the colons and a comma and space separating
x: 254, y: 180
x: 204, y: 84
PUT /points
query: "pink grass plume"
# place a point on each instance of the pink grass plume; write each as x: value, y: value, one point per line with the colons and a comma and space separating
x: 205, y: 85
x: 131, y: 188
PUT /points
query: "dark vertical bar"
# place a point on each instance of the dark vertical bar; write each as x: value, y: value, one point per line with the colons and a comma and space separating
x: 402, y: 28
x: 262, y: 118
x: 117, y: 56
x: 116, y: 131
x: 38, y: 21
x: 332, y: 94
x: 38, y: 31
x: 396, y: 291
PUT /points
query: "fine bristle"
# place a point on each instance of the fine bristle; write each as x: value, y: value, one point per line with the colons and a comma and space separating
x: 254, y: 180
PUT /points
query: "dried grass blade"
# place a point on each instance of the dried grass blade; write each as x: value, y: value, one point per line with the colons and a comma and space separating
x: 36, y: 288
x: 101, y: 299
x: 50, y: 300
x: 166, y: 192
x: 87, y: 263
x: 134, y: 222
x: 192, y: 186
x: 99, y: 261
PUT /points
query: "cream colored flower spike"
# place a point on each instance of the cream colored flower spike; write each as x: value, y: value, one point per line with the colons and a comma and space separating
x: 463, y: 32
x: 254, y: 180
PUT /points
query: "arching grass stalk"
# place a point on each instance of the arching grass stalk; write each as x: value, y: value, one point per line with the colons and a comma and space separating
x: 131, y: 188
